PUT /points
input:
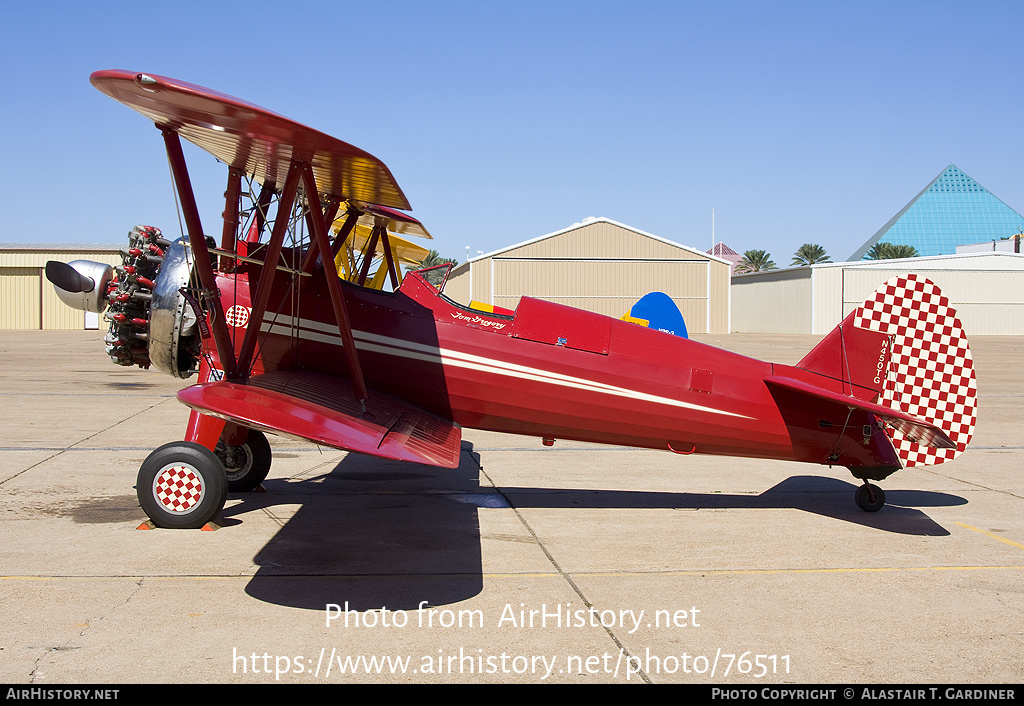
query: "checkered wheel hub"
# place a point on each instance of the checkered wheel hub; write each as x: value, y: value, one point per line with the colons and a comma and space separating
x: 931, y: 371
x: 178, y: 488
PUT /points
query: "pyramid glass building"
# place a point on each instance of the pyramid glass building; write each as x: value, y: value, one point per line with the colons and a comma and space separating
x: 952, y: 210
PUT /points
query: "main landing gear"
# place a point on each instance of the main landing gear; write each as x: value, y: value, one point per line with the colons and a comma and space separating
x: 183, y: 485
x: 869, y: 497
x: 247, y: 464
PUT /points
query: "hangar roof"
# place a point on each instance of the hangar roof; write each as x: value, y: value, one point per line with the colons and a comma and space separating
x: 590, y: 221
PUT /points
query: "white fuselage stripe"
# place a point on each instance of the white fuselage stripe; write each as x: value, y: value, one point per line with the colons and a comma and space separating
x: 316, y: 331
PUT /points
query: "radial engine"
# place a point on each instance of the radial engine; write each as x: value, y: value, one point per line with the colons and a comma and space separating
x: 153, y: 318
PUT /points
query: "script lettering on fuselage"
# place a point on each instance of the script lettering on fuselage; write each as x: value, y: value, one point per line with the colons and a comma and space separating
x: 478, y: 321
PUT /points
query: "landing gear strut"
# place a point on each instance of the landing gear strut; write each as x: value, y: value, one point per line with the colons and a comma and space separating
x: 869, y: 497
x: 247, y: 464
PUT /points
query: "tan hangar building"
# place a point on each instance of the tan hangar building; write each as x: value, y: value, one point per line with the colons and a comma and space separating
x: 986, y: 289
x: 601, y: 266
x: 27, y: 299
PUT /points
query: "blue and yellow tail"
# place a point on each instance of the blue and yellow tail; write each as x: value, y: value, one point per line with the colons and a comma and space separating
x: 657, y: 310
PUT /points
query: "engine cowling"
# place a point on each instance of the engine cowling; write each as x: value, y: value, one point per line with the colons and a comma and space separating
x: 174, y: 343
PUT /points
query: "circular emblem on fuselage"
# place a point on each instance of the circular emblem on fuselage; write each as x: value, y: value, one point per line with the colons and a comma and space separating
x: 237, y: 316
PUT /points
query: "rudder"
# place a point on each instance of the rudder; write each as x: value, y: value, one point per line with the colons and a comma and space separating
x: 930, y: 373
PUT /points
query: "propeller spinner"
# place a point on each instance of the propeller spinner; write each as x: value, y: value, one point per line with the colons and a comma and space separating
x: 81, y: 284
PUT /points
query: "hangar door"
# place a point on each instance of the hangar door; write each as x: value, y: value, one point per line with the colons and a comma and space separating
x: 21, y: 296
x: 29, y: 302
x: 605, y: 286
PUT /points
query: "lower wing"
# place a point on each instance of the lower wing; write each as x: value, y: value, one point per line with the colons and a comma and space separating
x: 324, y: 409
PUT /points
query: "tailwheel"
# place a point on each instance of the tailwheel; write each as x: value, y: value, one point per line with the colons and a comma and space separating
x: 247, y: 464
x: 869, y: 497
x: 182, y: 485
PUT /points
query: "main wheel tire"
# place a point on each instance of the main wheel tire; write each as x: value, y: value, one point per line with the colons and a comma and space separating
x: 870, y: 498
x: 182, y: 485
x: 248, y: 464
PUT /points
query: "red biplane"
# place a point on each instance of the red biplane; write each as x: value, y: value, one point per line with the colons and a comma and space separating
x: 284, y: 343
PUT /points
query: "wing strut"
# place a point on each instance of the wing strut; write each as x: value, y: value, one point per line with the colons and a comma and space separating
x: 196, y: 237
x: 309, y: 262
x: 267, y: 192
x: 231, y: 198
x: 341, y: 236
x: 392, y: 267
x: 259, y: 303
x: 333, y: 283
x: 371, y: 248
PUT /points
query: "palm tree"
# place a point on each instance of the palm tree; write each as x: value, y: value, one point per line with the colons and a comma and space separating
x: 900, y: 251
x: 810, y: 254
x: 879, y: 251
x: 889, y: 251
x: 755, y: 261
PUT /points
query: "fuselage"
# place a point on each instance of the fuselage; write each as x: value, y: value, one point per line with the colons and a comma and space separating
x: 548, y: 371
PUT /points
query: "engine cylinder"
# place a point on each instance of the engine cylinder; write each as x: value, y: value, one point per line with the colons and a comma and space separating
x: 151, y: 322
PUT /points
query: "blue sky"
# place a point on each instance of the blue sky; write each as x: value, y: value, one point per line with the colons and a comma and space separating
x: 503, y: 121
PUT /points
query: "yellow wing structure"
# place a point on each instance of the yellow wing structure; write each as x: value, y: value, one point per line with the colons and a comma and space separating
x: 369, y: 239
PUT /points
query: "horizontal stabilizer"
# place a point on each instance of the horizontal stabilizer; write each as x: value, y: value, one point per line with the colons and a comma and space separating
x: 324, y: 410
x: 923, y: 433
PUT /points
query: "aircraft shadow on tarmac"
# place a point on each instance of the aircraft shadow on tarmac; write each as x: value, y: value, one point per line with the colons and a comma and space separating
x: 376, y: 533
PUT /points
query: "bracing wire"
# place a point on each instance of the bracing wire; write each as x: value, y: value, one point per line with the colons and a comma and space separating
x: 177, y: 203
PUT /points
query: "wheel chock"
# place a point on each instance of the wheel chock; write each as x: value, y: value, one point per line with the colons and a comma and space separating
x: 208, y: 527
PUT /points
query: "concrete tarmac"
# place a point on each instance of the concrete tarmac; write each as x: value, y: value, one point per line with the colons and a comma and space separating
x: 527, y: 564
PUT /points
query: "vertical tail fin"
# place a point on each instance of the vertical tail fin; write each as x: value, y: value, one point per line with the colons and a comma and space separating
x: 657, y: 310
x: 906, y: 347
x: 931, y: 371
x: 855, y: 358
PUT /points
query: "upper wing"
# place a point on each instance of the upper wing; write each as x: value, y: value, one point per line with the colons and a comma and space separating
x: 253, y: 139
x: 398, y: 222
x: 324, y: 410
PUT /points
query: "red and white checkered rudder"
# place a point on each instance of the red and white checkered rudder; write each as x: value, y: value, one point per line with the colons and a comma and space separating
x: 931, y: 372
